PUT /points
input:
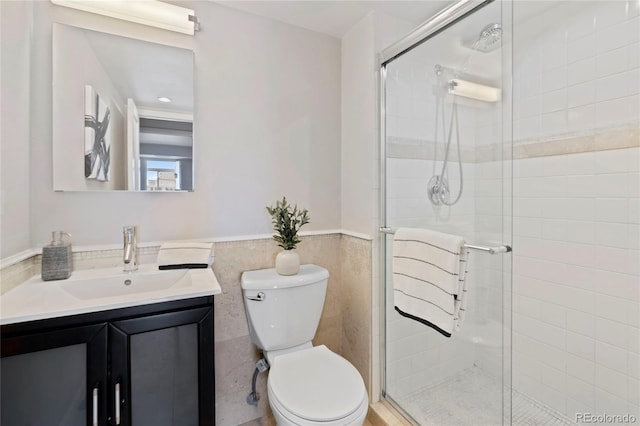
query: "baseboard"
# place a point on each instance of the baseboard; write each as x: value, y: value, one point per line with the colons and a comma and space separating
x: 383, y: 414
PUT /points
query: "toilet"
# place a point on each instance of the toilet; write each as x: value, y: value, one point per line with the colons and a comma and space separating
x: 307, y: 385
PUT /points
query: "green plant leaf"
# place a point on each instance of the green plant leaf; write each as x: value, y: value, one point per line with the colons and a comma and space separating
x: 287, y: 221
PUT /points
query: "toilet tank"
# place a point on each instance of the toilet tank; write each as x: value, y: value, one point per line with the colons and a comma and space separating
x: 284, y: 311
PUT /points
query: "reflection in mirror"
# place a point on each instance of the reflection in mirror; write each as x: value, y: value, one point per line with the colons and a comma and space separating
x: 166, y: 155
x: 122, y: 113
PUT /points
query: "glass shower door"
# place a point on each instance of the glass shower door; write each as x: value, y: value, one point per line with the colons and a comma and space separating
x: 447, y: 167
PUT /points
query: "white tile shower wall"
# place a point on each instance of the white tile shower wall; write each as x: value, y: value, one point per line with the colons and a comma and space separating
x: 576, y: 69
x: 407, y: 201
x: 418, y: 356
x: 489, y: 281
x: 411, y: 109
x: 576, y: 262
x: 576, y: 280
x: 576, y: 314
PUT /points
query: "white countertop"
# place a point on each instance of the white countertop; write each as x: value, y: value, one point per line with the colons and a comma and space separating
x: 36, y: 299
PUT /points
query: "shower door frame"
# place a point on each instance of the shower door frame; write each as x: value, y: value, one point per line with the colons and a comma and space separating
x: 438, y: 23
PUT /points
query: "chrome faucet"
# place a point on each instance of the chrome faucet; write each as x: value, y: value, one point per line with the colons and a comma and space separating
x: 130, y: 257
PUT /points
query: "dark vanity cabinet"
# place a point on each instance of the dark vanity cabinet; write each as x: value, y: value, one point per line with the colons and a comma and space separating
x: 54, y: 377
x: 149, y: 365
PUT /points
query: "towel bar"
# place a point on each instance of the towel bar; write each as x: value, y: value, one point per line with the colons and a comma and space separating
x: 490, y: 250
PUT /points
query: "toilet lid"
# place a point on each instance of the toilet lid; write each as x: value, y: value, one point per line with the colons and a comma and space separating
x: 316, y: 384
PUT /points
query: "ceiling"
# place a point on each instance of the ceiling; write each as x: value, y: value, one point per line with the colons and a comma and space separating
x: 145, y: 71
x: 335, y: 18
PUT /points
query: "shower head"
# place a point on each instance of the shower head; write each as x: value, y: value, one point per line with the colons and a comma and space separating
x: 489, y: 39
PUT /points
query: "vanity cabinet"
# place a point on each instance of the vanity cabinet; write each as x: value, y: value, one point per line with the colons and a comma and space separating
x: 149, y: 365
x: 51, y: 377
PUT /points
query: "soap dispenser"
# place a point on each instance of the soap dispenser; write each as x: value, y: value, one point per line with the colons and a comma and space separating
x: 57, y: 261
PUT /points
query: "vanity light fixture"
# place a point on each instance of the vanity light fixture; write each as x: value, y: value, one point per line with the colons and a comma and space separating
x: 164, y: 99
x: 474, y: 90
x: 147, y: 12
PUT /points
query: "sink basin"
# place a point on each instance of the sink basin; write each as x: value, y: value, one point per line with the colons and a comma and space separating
x: 93, y: 290
x: 125, y: 284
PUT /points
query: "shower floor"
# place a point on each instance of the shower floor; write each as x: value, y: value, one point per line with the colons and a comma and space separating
x: 470, y: 398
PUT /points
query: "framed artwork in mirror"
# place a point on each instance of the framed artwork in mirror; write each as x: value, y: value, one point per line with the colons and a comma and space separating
x: 97, y: 136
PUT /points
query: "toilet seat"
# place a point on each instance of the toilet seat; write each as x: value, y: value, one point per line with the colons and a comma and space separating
x: 285, y: 418
x: 316, y: 386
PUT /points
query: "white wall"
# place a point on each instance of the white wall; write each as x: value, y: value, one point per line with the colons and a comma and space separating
x: 71, y: 43
x: 359, y: 136
x: 267, y: 124
x: 15, y: 208
x: 360, y: 145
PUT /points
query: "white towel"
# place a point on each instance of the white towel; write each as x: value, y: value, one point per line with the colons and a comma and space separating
x: 185, y: 255
x: 429, y: 278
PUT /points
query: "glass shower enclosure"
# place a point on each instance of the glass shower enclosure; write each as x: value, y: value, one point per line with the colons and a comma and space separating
x: 446, y: 163
x: 517, y: 123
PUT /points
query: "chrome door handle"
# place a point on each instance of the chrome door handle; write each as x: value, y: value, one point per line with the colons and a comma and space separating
x: 258, y: 297
x: 117, y: 403
x: 95, y: 407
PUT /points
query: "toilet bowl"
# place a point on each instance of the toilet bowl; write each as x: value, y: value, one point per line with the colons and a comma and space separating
x: 316, y: 387
x: 307, y: 385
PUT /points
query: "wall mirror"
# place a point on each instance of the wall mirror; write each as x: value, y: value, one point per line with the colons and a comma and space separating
x: 122, y: 113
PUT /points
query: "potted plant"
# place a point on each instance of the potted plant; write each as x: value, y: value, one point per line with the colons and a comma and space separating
x: 287, y: 221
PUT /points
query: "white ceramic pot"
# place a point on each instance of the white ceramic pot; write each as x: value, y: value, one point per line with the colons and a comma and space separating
x: 287, y: 262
